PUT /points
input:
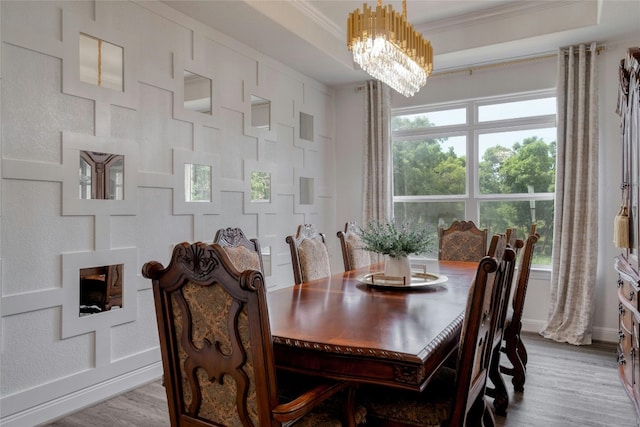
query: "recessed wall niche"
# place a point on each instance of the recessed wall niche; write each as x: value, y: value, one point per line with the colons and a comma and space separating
x: 260, y: 112
x: 197, y: 93
x: 266, y: 260
x: 197, y: 182
x: 101, y: 63
x: 306, y: 190
x: 101, y: 176
x: 116, y: 286
x: 100, y: 289
x: 260, y: 187
x: 306, y: 126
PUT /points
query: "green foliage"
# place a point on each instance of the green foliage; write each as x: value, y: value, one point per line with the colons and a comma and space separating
x: 200, y: 183
x: 397, y: 241
x: 260, y: 186
x: 529, y: 164
x: 422, y: 167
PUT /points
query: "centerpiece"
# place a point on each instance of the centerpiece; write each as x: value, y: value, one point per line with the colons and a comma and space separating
x: 396, y: 243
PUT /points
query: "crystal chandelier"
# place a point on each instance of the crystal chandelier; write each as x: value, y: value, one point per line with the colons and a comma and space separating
x: 387, y: 47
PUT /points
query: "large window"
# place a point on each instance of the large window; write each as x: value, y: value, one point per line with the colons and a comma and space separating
x: 489, y: 160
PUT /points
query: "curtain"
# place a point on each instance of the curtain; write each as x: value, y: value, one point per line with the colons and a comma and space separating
x: 575, y: 229
x: 378, y: 176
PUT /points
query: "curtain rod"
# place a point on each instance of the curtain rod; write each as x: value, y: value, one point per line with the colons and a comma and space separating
x: 524, y: 60
x: 470, y: 70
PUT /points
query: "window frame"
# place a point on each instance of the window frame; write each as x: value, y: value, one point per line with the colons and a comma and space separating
x: 472, y: 129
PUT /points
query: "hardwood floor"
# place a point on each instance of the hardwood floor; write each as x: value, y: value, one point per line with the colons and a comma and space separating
x: 566, y: 386
x: 569, y: 385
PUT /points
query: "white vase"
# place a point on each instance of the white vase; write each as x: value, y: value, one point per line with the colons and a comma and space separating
x: 397, y: 267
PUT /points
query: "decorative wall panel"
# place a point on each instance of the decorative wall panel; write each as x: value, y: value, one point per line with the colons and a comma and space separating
x: 49, y: 232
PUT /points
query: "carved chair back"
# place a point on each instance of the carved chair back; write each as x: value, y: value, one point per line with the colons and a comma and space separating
x: 497, y: 248
x: 352, y: 254
x: 216, y: 344
x: 244, y: 253
x: 309, y: 254
x: 462, y: 241
x: 480, y: 325
x: 513, y: 345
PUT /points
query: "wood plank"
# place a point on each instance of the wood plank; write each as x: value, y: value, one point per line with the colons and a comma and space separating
x: 567, y: 386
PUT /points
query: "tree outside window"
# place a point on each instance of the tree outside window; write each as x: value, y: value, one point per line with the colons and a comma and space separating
x: 498, y: 171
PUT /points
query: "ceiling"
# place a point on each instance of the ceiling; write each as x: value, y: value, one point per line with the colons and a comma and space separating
x: 310, y: 35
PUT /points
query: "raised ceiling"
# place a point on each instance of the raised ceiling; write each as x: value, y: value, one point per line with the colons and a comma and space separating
x: 309, y: 35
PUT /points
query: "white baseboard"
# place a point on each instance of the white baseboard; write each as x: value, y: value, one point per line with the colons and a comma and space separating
x: 65, y: 405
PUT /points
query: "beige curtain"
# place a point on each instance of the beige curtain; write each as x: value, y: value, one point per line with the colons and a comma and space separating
x: 378, y: 177
x: 575, y: 240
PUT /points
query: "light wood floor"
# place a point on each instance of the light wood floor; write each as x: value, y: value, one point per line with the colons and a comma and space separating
x: 566, y: 386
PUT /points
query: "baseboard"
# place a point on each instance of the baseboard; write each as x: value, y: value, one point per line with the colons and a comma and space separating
x: 73, y: 402
x: 598, y: 334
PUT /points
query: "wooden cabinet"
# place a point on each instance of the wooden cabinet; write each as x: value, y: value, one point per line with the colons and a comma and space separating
x: 626, y: 264
x: 629, y: 338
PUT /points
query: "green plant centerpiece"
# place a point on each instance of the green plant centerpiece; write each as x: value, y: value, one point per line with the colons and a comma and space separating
x: 397, y: 242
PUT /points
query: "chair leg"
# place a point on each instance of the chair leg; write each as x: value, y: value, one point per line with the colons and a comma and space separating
x: 522, y: 351
x: 480, y: 414
x: 514, y: 348
x: 488, y: 419
x: 499, y: 390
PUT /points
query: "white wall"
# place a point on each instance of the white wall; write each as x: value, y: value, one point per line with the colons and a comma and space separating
x: 54, y: 361
x: 491, y: 81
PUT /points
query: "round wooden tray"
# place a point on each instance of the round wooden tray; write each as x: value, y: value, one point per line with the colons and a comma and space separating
x: 418, y: 281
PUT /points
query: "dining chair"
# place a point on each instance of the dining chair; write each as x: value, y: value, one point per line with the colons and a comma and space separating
x: 244, y: 253
x: 512, y: 236
x: 462, y: 241
x: 514, y: 348
x: 497, y: 388
x: 353, y: 255
x: 217, y: 349
x: 453, y: 397
x: 309, y: 254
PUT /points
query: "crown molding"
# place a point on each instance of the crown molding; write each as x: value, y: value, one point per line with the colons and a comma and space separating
x: 320, y: 18
x: 503, y: 12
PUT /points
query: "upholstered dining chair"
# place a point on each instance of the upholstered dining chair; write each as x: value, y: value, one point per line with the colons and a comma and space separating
x: 309, y: 254
x: 454, y: 397
x: 513, y: 346
x: 462, y: 241
x: 353, y: 255
x: 217, y: 350
x: 244, y: 253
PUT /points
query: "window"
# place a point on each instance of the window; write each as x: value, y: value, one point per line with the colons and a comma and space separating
x: 488, y: 160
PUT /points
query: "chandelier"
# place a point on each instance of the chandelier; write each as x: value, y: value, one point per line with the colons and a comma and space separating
x: 387, y: 47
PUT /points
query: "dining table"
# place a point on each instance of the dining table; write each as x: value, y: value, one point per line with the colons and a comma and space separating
x: 349, y: 326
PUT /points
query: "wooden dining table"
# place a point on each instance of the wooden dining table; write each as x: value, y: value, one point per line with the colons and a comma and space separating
x: 342, y: 327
